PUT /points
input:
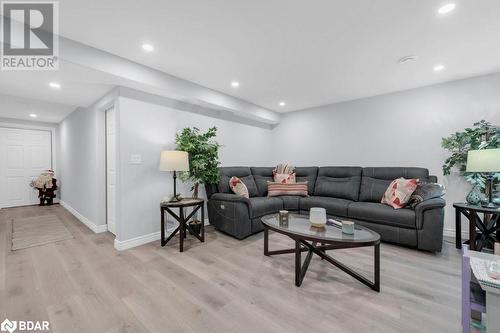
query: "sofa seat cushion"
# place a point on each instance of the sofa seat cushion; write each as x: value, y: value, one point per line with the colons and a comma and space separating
x: 290, y: 202
x: 260, y: 206
x: 333, y: 206
x: 383, y: 214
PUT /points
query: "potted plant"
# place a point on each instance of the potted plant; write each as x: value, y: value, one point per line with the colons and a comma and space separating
x: 483, y: 135
x: 203, y: 153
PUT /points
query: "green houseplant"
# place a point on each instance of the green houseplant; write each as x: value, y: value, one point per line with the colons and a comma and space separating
x: 482, y: 135
x: 203, y: 153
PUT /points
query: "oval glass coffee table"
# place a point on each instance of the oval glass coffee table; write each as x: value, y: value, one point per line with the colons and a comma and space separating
x: 319, y: 240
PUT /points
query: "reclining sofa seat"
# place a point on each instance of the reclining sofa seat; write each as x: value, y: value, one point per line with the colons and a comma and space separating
x: 350, y: 192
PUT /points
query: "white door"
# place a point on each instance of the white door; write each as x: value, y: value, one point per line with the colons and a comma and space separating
x: 111, y: 170
x: 23, y: 155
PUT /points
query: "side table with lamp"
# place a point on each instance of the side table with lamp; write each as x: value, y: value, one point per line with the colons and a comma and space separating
x: 486, y: 161
x: 174, y: 160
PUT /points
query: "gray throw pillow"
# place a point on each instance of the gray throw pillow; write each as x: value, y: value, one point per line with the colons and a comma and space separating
x: 426, y: 191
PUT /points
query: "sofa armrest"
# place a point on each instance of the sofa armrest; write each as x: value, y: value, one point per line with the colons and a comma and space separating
x: 230, y: 213
x: 430, y: 224
x: 436, y: 203
x: 229, y: 197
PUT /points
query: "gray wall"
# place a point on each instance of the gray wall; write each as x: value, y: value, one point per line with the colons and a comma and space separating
x: 146, y: 129
x: 81, y: 160
x: 400, y: 129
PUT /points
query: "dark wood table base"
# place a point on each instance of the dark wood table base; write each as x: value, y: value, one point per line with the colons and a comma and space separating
x: 489, y: 228
x: 311, y: 248
x: 183, y: 222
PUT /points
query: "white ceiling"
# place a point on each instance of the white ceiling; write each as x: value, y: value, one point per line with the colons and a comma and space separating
x: 306, y: 53
x: 20, y: 108
x: 25, y: 92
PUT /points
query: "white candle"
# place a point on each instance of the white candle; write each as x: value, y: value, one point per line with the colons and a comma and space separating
x: 317, y: 216
x: 348, y: 227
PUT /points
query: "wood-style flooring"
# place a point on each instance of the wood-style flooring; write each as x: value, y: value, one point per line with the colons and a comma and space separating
x: 223, y: 285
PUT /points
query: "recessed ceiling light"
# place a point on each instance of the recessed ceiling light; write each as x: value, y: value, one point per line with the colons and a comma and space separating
x: 148, y: 47
x: 235, y: 84
x: 55, y: 85
x: 438, y: 68
x: 408, y: 59
x: 282, y: 103
x: 32, y: 115
x: 449, y: 7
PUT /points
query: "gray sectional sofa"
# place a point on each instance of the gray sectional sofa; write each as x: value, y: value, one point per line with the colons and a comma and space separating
x: 350, y: 192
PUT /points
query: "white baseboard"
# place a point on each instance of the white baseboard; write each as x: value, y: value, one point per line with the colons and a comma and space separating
x: 141, y: 240
x: 97, y: 228
x: 137, y: 241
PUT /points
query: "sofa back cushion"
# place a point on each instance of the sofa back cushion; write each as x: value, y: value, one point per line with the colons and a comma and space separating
x: 262, y: 175
x: 375, y: 181
x: 338, y: 182
x: 243, y: 173
x: 308, y: 174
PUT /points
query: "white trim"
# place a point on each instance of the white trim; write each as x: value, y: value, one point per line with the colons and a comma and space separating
x: 141, y: 240
x: 449, y: 232
x: 137, y: 241
x: 97, y: 228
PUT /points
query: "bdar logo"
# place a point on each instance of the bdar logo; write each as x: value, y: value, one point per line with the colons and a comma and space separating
x: 8, y: 326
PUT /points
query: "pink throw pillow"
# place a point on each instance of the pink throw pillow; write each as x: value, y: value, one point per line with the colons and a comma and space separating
x: 238, y: 187
x: 276, y: 189
x: 399, y: 192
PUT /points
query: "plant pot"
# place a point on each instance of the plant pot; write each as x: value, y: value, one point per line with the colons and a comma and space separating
x: 195, y: 226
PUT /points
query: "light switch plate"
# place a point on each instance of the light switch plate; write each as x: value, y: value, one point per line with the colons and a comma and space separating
x: 135, y: 159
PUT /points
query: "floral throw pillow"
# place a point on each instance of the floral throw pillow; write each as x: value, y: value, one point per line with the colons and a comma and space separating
x: 284, y: 178
x: 238, y: 187
x: 399, y: 192
x: 283, y: 173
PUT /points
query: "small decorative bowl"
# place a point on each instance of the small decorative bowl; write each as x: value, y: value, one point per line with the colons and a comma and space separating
x: 348, y: 227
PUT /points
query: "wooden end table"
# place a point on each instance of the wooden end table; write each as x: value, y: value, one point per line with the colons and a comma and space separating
x: 489, y: 227
x: 183, y: 220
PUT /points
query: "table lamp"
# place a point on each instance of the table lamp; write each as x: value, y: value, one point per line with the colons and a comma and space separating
x: 174, y: 160
x: 485, y: 161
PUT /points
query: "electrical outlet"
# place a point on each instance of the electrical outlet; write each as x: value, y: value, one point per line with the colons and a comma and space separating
x: 135, y: 159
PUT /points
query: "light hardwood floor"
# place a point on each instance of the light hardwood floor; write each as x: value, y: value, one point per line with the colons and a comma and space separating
x: 223, y: 285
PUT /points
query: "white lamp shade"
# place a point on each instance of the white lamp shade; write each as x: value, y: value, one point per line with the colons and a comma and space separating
x: 484, y: 160
x: 174, y: 160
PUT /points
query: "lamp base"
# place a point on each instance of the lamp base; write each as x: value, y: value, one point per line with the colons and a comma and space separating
x: 175, y: 198
x: 489, y: 188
